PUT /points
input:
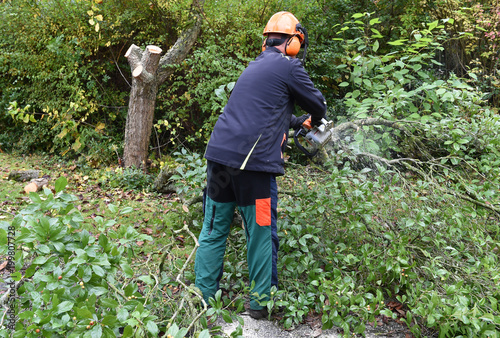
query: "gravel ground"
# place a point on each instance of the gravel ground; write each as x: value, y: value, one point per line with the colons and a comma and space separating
x: 270, y: 329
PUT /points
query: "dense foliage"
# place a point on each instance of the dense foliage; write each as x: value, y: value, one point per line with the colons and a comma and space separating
x: 404, y: 208
x: 65, y: 82
x: 62, y: 63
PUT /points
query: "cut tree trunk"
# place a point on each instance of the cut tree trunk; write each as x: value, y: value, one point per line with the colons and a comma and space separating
x: 141, y: 103
x: 149, y: 70
x: 36, y: 185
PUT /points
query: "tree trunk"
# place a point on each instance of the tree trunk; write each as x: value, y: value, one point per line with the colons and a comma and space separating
x: 141, y: 103
x: 149, y: 71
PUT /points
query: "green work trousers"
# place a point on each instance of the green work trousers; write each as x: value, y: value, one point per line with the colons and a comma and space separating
x: 255, y: 194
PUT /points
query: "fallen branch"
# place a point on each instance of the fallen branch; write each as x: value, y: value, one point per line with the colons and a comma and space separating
x: 190, y: 290
x: 36, y: 185
x: 466, y: 197
x: 470, y: 196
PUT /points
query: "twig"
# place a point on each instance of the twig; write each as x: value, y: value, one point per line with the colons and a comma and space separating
x: 178, y: 279
x: 467, y: 197
x: 164, y: 256
x: 3, y: 316
x: 152, y: 289
x: 117, y: 291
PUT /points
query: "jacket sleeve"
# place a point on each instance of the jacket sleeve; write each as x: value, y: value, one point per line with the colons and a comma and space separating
x: 306, y: 95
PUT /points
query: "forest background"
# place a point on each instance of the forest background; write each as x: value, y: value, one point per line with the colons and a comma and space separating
x: 398, y: 220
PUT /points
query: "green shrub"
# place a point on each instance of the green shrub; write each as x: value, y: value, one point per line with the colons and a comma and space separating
x: 77, y: 279
x: 64, y: 59
x: 191, y: 173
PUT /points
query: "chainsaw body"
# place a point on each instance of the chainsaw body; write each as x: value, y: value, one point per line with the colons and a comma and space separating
x: 316, y: 137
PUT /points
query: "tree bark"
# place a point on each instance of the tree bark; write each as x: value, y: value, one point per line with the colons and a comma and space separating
x: 141, y: 103
x: 149, y: 70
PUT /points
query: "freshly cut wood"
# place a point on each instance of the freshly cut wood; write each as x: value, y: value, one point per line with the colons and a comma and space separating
x: 36, y: 185
x: 23, y: 175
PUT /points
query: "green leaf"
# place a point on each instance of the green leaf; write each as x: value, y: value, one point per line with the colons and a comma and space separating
x: 96, y: 331
x: 221, y: 92
x: 112, y: 208
x: 204, y: 334
x: 35, y: 197
x: 40, y: 260
x: 26, y: 315
x: 98, y: 270
x: 98, y: 291
x: 127, y: 270
x: 152, y: 328
x: 344, y: 84
x: 103, y: 240
x: 126, y: 210
x: 397, y: 42
x: 84, y: 313
x: 433, y: 25
x: 182, y: 333
x: 60, y: 184
x: 357, y: 15
x: 128, y: 331
x: 44, y: 249
x: 387, y: 68
x: 122, y: 315
x: 376, y: 46
x: 109, y: 303
x: 64, y: 307
x: 109, y: 320
x: 226, y: 316
x: 146, y: 279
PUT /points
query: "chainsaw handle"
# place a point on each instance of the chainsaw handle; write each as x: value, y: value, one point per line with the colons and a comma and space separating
x: 307, y: 124
x: 302, y: 132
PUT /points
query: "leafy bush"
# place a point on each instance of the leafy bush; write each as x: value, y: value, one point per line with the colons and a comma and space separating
x: 191, y: 173
x: 352, y: 240
x: 64, y: 60
x: 73, y: 282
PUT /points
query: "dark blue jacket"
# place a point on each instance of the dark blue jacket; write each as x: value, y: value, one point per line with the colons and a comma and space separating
x: 252, y: 132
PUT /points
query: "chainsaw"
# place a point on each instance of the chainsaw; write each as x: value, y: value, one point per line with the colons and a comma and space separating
x: 315, y: 137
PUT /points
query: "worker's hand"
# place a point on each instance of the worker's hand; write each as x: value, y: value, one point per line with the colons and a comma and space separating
x: 296, y: 122
x: 316, y: 121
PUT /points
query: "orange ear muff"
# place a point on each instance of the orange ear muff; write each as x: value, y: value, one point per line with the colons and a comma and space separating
x: 292, y: 46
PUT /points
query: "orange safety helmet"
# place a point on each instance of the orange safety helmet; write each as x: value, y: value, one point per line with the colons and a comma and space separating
x: 286, y: 23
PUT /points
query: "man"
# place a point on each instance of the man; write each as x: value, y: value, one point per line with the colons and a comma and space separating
x: 245, y: 154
